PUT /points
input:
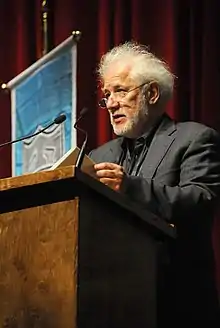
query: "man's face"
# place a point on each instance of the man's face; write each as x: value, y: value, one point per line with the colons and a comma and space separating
x: 127, y: 112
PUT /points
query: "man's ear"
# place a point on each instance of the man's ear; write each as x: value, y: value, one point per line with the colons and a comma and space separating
x: 153, y: 93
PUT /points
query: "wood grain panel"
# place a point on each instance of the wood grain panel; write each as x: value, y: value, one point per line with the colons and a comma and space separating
x: 38, y: 266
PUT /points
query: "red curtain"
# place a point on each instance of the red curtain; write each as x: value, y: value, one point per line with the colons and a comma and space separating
x: 184, y: 33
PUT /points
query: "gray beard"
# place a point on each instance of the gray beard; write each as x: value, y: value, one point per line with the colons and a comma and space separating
x: 137, y: 126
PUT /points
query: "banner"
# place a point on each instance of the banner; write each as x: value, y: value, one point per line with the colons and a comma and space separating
x: 38, y: 95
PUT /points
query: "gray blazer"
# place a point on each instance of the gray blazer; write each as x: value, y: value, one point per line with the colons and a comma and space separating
x: 180, y: 181
x: 180, y: 175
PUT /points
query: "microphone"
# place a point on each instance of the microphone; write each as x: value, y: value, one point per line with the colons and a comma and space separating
x: 81, y: 154
x: 58, y: 120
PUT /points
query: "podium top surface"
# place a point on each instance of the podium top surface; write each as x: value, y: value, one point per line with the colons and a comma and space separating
x: 36, y: 178
x: 43, y: 183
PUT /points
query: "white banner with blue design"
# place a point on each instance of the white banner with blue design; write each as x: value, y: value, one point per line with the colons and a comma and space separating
x: 38, y: 95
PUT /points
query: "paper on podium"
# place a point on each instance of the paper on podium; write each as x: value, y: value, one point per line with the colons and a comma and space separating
x: 70, y: 159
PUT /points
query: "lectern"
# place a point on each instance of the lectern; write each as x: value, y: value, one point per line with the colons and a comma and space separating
x: 74, y: 253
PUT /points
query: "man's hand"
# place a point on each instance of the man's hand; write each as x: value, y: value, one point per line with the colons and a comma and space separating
x: 110, y: 174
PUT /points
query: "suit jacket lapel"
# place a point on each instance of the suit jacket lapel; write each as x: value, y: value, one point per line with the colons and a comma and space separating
x: 163, y: 139
x: 114, y: 153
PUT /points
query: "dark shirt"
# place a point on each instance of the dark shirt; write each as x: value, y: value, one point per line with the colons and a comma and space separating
x: 134, y: 151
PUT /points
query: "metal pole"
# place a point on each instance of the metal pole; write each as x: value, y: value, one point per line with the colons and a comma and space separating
x: 45, y: 10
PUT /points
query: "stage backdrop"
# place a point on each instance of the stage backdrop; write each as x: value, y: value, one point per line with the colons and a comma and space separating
x: 184, y: 33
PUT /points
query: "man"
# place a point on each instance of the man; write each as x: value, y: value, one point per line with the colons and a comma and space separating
x: 169, y: 168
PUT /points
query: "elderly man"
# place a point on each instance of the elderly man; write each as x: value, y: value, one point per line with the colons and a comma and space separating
x: 169, y: 168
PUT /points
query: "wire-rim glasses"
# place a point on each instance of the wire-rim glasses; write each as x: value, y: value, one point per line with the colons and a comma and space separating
x: 103, y: 102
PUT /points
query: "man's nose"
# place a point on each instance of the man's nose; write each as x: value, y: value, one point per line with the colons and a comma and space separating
x: 112, y: 103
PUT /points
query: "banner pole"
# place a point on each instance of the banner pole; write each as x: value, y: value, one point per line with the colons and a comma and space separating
x: 45, y: 28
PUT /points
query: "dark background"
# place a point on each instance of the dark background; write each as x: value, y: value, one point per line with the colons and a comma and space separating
x: 185, y: 33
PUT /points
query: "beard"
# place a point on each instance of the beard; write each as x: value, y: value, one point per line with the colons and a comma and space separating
x: 134, y: 127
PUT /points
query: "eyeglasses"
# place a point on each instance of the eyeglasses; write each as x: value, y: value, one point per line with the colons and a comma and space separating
x: 118, y: 95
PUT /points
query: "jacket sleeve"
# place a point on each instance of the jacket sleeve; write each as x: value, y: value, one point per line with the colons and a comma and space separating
x: 199, y: 184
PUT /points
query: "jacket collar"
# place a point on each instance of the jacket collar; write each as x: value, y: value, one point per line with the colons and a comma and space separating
x: 161, y: 142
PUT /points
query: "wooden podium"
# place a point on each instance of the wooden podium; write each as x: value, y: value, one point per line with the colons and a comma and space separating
x: 74, y: 253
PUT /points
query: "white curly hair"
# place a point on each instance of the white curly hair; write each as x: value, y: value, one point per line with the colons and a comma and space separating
x: 145, y: 66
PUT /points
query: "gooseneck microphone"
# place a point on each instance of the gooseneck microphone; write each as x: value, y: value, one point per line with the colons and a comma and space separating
x: 81, y: 154
x: 58, y: 120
